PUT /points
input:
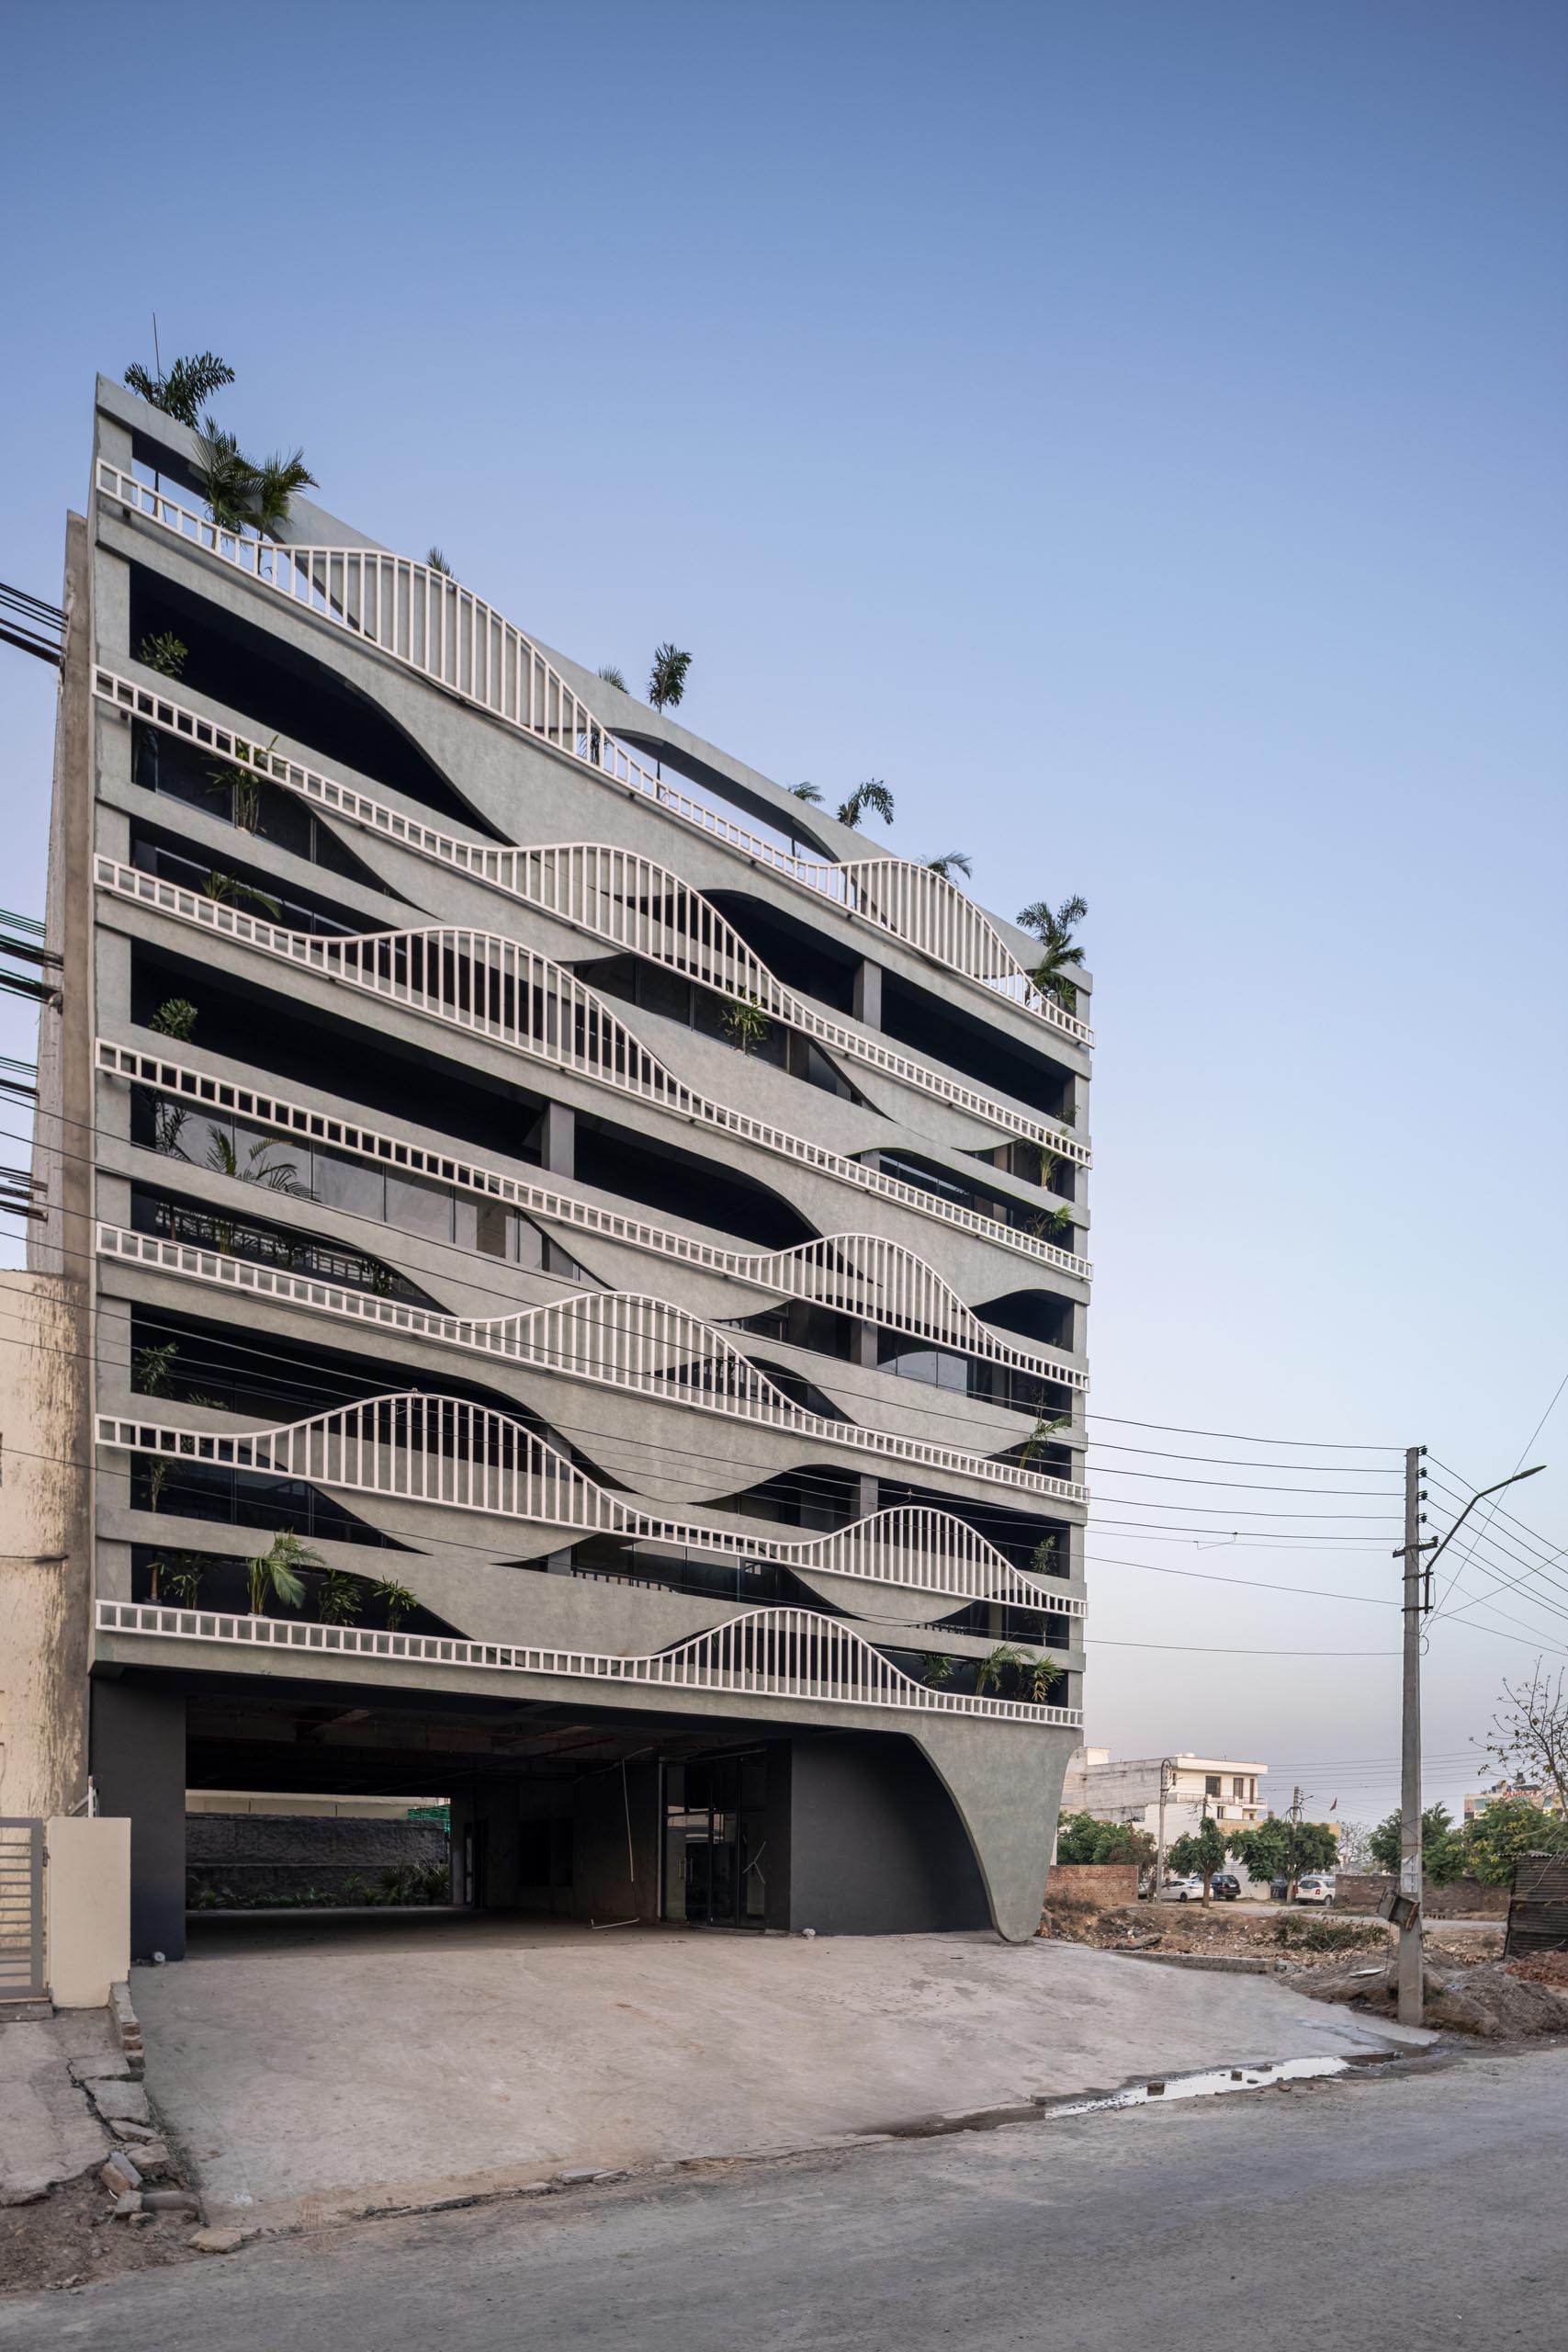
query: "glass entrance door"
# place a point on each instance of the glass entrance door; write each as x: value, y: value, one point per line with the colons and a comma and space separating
x: 716, y: 1841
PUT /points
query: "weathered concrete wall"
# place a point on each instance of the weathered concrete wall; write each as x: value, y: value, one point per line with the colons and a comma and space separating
x: 1105, y: 1885
x: 253, y: 1853
x: 1463, y: 1899
x: 45, y: 1548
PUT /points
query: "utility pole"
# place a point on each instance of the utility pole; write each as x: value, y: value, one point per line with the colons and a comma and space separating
x: 1166, y: 1763
x: 1417, y: 1604
x: 1415, y: 1601
x: 1293, y: 1816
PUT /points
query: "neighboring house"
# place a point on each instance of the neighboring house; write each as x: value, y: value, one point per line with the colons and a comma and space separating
x: 1507, y: 1792
x: 646, y: 1267
x: 1128, y: 1789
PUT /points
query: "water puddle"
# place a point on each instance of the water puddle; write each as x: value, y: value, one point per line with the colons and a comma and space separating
x: 1212, y: 2084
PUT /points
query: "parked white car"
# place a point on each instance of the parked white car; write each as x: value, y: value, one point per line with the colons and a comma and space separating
x: 1181, y: 1890
x: 1317, y: 1887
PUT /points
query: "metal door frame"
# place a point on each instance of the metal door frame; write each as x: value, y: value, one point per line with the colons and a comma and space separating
x: 21, y: 1899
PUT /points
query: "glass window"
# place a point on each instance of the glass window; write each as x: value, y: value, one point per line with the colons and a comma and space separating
x: 1212, y: 1784
x: 417, y: 1207
x: 342, y: 1184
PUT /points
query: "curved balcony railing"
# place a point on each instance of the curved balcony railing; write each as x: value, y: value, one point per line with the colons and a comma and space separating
x: 434, y: 625
x: 492, y: 988
x: 854, y: 1274
x: 768, y: 1654
x: 459, y: 1456
x: 613, y: 894
x: 610, y: 1338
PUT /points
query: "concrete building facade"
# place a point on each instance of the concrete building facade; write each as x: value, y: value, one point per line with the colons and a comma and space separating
x: 629, y: 1231
x: 1216, y: 1788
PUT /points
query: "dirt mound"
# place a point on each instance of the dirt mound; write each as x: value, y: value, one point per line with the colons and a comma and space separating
x: 1492, y: 2001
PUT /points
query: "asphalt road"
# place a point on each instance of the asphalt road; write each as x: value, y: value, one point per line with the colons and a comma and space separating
x: 1426, y: 2207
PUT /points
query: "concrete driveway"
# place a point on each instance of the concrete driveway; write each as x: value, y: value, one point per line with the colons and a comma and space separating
x: 311, y: 2069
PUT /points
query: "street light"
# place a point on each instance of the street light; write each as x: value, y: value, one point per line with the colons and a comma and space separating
x: 1407, y: 1906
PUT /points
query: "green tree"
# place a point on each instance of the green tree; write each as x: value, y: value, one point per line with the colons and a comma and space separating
x: 1053, y: 928
x: 1279, y: 1849
x: 1080, y: 1837
x: 612, y: 677
x: 1199, y: 1854
x: 951, y: 861
x: 873, y: 796
x: 807, y: 792
x: 185, y: 392
x: 1496, y: 1839
x: 435, y: 562
x: 1442, y: 1845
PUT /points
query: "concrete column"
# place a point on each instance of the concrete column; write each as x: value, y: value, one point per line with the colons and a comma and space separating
x: 138, y: 1760
x: 558, y: 1139
x: 867, y: 1344
x: 868, y: 995
x: 869, y: 1499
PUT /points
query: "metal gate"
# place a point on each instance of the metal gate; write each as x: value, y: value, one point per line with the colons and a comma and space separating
x: 1537, y: 1908
x: 21, y: 1911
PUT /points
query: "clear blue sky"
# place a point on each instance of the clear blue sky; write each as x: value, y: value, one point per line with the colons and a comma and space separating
x: 1137, y: 432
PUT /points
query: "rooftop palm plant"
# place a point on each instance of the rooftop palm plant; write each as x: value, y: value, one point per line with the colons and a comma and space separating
x: 1054, y: 929
x: 612, y: 677
x: 873, y: 796
x: 273, y: 488
x: 667, y: 683
x: 667, y: 679
x: 185, y: 392
x: 807, y: 792
x: 228, y: 477
x: 951, y: 861
x: 435, y: 562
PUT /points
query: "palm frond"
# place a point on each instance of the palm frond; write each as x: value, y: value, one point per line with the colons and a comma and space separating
x: 667, y: 679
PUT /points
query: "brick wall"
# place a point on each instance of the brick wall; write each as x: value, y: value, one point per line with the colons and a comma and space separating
x: 1105, y: 1885
x: 1466, y: 1898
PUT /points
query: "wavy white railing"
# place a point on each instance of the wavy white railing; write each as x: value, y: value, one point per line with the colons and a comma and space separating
x: 460, y: 1456
x: 428, y: 622
x: 611, y: 1338
x: 768, y: 1654
x: 854, y: 1274
x: 493, y: 988
x: 613, y: 894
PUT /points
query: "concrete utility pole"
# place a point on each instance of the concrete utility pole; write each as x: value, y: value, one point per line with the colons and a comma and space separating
x: 1167, y: 1764
x: 1293, y: 1816
x: 1410, y: 1941
x: 1417, y: 1606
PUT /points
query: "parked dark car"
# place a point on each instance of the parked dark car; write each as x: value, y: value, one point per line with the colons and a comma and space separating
x: 1225, y: 1886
